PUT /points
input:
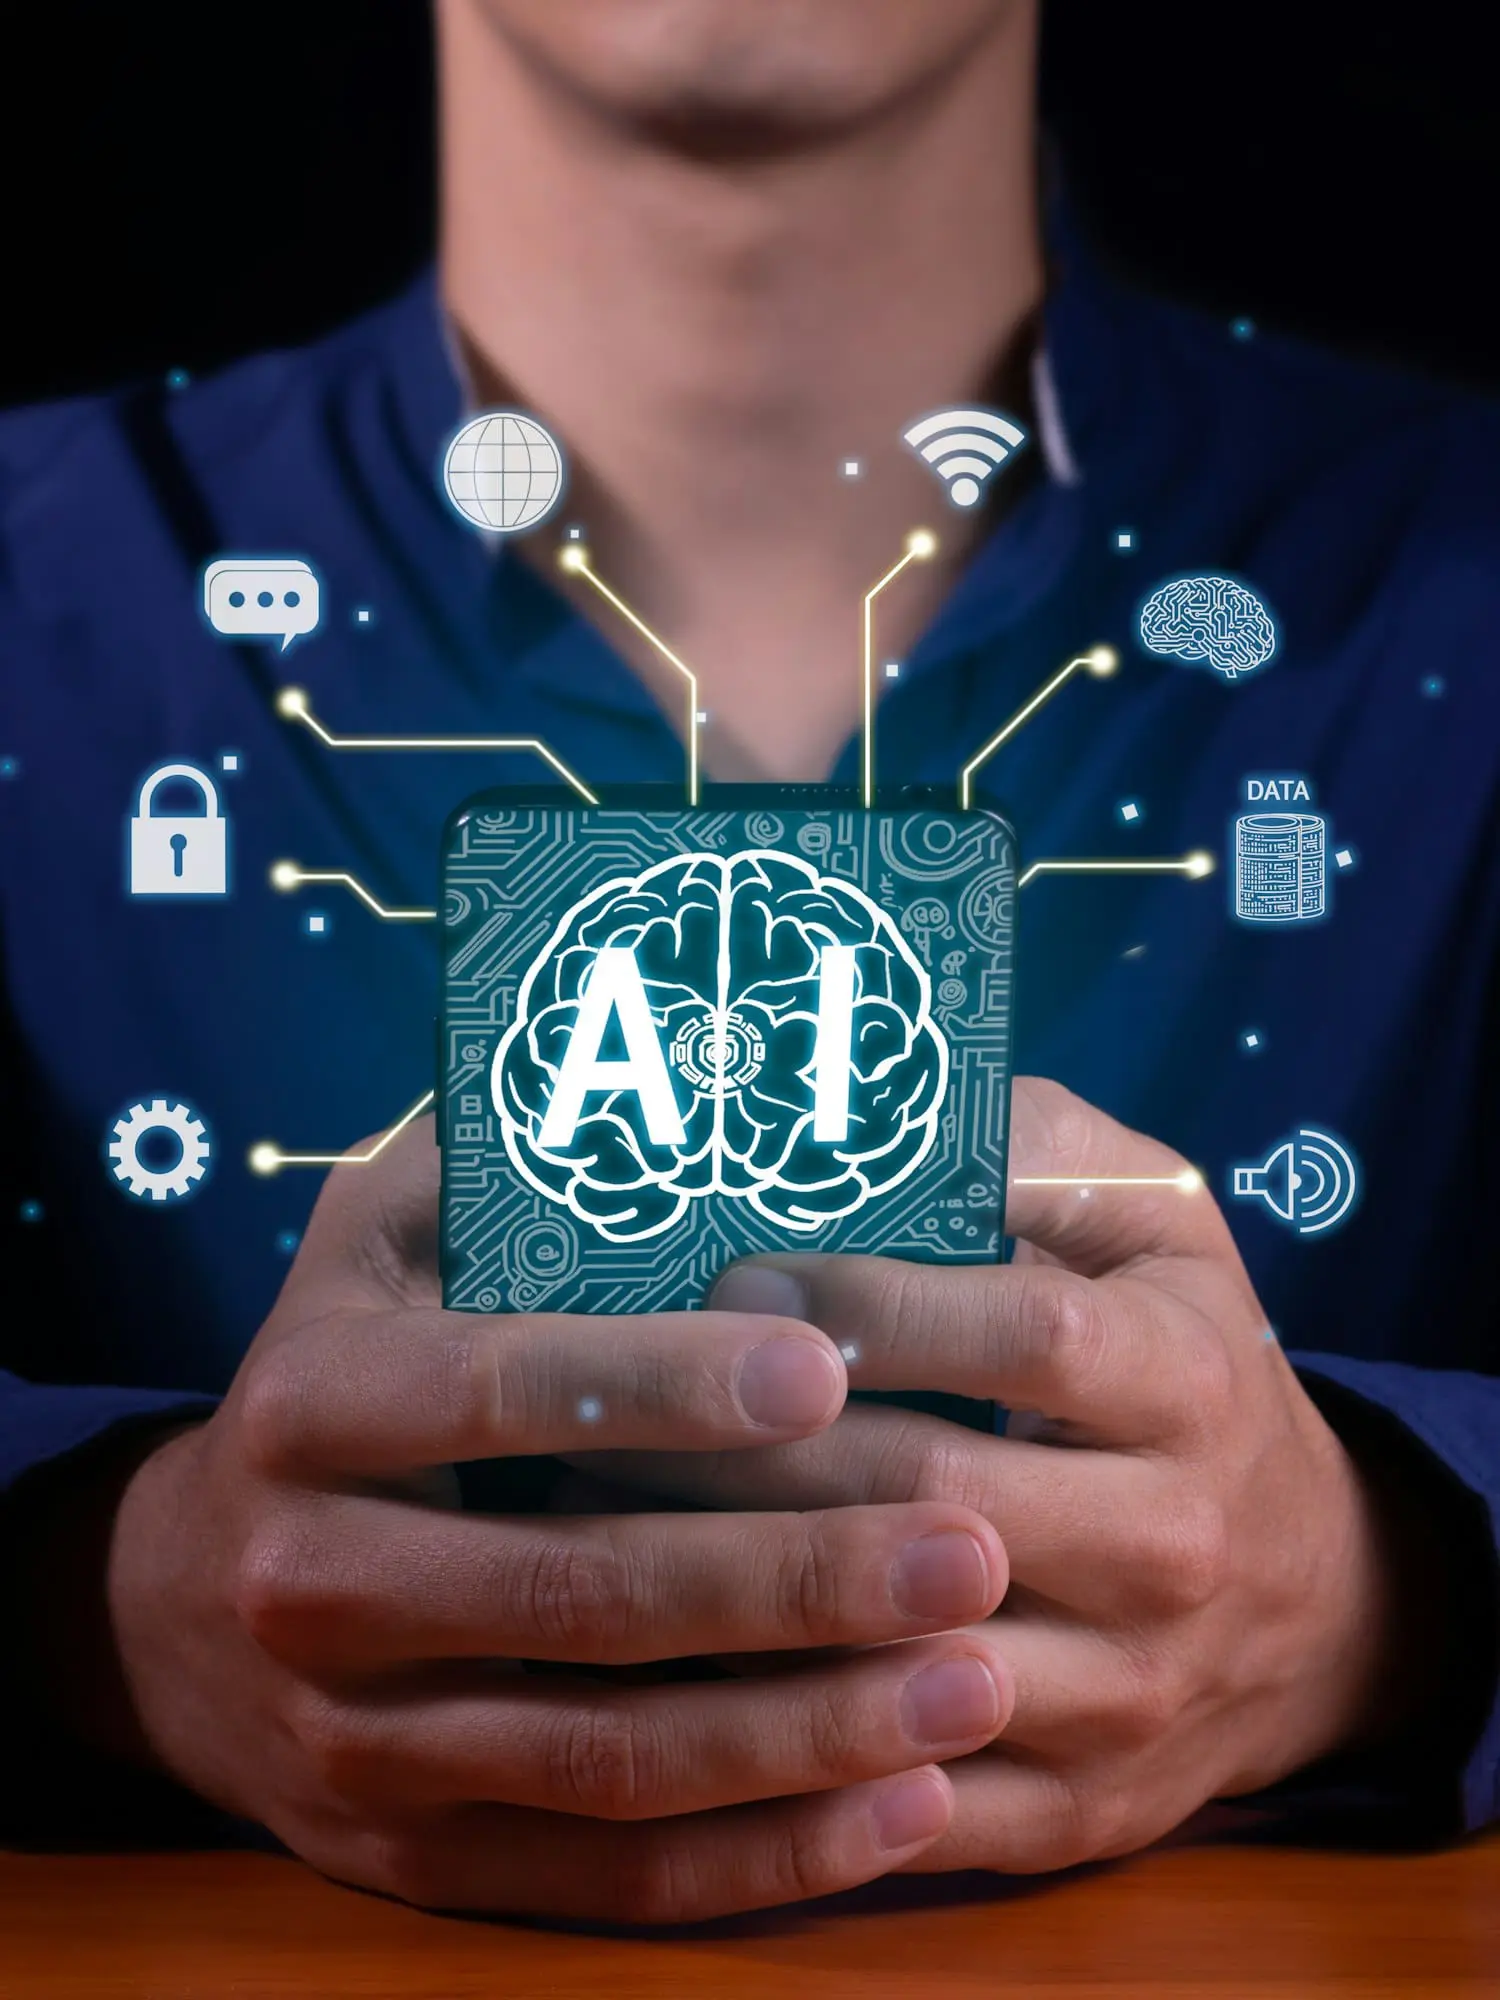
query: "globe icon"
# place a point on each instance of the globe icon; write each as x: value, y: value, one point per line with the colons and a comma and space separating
x: 504, y: 472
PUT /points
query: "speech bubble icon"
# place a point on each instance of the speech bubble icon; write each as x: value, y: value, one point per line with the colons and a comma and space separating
x: 261, y: 597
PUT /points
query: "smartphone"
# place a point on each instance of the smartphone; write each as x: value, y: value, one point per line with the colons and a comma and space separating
x: 673, y: 1036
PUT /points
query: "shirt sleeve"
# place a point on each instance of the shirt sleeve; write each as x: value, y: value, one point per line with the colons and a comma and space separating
x: 41, y: 1424
x: 1445, y: 1425
x: 55, y: 1792
x: 55, y: 1417
x: 50, y: 1350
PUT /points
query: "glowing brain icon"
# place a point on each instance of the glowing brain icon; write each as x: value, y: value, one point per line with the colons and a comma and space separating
x: 743, y: 961
x: 1209, y: 620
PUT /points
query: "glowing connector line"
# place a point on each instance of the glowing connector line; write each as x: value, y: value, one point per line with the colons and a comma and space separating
x: 1194, y: 865
x: 1190, y: 1181
x: 268, y: 1158
x: 1101, y: 662
x: 574, y: 558
x: 292, y: 703
x: 921, y: 546
x: 286, y: 875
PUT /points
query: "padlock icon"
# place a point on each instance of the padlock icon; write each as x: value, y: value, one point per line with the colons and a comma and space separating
x: 179, y: 854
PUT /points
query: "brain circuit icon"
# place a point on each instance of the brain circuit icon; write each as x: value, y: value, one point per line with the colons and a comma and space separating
x: 734, y: 1025
x: 1209, y: 620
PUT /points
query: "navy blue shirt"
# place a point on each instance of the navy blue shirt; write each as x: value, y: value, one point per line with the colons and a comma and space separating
x: 1363, y: 506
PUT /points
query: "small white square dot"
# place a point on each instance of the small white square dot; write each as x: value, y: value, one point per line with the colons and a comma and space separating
x: 317, y: 924
x: 575, y: 534
x: 229, y: 761
x: 703, y: 715
x: 1130, y: 811
x: 1344, y: 857
x: 851, y: 468
x: 850, y: 1352
x: 590, y: 1410
x: 363, y: 617
x: 1124, y: 539
x: 1252, y: 1041
x: 892, y: 669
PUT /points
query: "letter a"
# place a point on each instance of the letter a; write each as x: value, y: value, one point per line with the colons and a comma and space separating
x: 833, y: 1050
x: 614, y: 988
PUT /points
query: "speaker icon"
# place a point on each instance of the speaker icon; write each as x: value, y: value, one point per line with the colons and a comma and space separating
x: 1309, y: 1181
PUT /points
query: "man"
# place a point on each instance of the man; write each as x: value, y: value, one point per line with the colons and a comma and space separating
x: 723, y: 251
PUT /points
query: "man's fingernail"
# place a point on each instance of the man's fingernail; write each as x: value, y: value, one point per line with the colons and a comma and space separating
x: 942, y: 1576
x: 913, y: 1809
x: 759, y: 1288
x: 787, y: 1385
x: 952, y: 1702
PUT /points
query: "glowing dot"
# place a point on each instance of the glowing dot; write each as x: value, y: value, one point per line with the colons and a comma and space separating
x: 316, y: 923
x: 1129, y: 811
x: 1101, y: 661
x: 590, y: 1409
x: 292, y: 701
x: 1124, y: 540
x: 230, y: 761
x: 965, y: 492
x: 362, y: 616
x: 265, y: 1158
x: 850, y: 1351
x: 285, y: 875
x: 852, y: 468
x: 178, y: 378
x: 702, y: 715
x: 1252, y: 1040
x: 1199, y: 865
x: 922, y: 543
x: 573, y: 557
x: 1085, y: 1194
x: 1243, y: 329
x: 31, y: 1211
x: 10, y: 767
x: 1345, y: 857
x: 1433, y: 686
x: 1189, y: 1180
x: 892, y: 669
x: 287, y: 1242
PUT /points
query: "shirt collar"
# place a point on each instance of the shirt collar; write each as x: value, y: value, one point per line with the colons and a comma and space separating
x: 1076, y: 409
x: 460, y: 402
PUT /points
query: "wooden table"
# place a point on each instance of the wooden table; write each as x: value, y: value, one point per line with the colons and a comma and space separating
x: 1218, y: 1921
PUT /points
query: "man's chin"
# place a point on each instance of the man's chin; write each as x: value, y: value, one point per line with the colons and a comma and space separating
x: 725, y: 79
x: 725, y: 129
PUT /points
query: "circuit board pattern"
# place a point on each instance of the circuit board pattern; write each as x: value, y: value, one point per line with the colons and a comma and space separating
x: 519, y: 865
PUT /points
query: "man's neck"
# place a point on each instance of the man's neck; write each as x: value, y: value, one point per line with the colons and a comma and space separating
x: 714, y: 340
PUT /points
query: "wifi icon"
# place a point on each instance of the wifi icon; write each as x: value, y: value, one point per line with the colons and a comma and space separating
x: 965, y: 448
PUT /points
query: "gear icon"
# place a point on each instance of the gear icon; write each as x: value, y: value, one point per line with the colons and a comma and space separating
x: 160, y: 1183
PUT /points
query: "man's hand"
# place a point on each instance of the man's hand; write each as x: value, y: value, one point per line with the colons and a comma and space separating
x: 314, y: 1637
x: 1198, y: 1605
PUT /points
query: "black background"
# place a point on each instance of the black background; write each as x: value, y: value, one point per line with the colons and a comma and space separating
x: 184, y: 183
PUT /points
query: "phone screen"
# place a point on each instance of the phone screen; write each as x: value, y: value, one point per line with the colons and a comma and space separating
x: 676, y: 1036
